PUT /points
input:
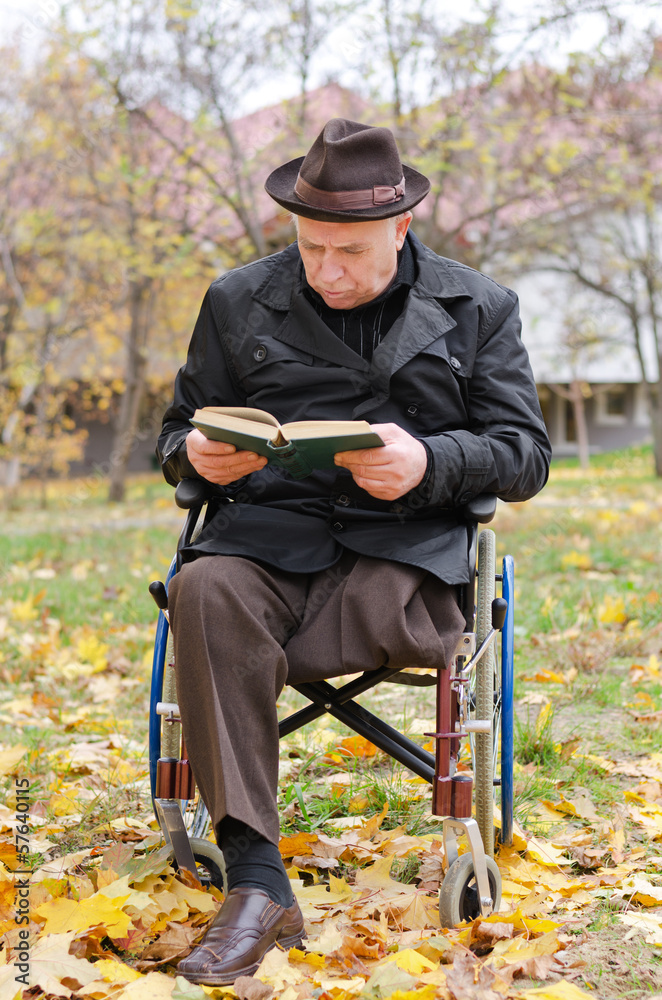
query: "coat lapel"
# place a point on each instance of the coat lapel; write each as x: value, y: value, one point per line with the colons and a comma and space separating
x: 302, y: 327
x: 423, y: 322
x: 424, y: 319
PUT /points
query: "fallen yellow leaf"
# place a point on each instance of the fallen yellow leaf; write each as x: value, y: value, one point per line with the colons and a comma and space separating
x: 64, y: 915
x: 153, y: 986
x: 612, y: 611
x: 113, y: 971
x: 10, y: 758
x: 412, y: 962
x: 639, y: 889
x: 649, y: 924
x: 422, y: 993
x: 546, y: 676
x: 298, y: 845
x: 310, y: 957
x: 378, y: 876
x: 562, y: 990
x: 576, y: 560
x: 352, y: 746
x: 519, y: 949
x: 546, y: 854
x: 347, y: 987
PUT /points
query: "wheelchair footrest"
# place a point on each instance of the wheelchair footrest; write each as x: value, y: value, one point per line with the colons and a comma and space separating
x: 174, y: 779
x: 452, y: 796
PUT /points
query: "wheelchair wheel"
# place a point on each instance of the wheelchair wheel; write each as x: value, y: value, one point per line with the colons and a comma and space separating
x: 458, y: 895
x: 487, y: 684
x: 209, y: 862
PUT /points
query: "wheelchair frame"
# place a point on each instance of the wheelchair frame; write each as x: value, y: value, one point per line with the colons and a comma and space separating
x: 470, y: 687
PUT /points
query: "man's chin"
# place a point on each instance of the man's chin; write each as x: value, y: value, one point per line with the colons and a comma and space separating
x: 340, y: 300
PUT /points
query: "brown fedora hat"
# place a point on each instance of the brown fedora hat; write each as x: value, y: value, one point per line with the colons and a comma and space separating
x: 351, y: 173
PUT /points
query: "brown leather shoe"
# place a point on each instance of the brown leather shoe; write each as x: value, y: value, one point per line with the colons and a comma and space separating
x: 246, y: 927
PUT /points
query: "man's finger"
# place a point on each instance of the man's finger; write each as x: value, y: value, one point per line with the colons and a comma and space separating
x: 249, y: 462
x: 213, y: 447
x: 368, y: 456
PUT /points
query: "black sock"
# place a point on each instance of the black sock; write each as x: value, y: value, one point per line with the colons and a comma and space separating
x: 252, y: 860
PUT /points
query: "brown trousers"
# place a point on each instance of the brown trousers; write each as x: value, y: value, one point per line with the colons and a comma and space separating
x: 242, y: 631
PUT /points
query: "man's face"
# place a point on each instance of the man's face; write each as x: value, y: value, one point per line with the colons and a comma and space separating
x: 351, y: 263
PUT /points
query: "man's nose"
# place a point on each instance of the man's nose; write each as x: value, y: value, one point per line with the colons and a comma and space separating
x: 330, y: 269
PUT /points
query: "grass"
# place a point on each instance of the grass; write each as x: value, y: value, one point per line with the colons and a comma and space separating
x: 588, y: 585
x: 534, y: 743
x: 321, y: 794
x: 76, y: 639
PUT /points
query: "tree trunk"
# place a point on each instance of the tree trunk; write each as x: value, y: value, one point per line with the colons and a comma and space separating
x: 576, y: 395
x: 579, y: 408
x: 140, y: 300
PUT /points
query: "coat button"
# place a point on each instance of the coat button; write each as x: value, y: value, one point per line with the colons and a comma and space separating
x: 337, y: 526
x: 455, y: 363
x: 412, y: 410
x: 260, y: 353
x: 343, y: 500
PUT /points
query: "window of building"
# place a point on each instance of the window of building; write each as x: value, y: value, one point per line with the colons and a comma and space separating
x: 611, y: 405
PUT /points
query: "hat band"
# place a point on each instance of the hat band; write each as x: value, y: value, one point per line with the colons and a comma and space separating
x: 347, y: 201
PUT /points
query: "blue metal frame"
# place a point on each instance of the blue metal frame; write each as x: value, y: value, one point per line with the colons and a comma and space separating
x: 507, y: 701
x: 158, y: 670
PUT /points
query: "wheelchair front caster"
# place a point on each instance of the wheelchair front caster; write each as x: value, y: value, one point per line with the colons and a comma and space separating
x: 458, y: 895
x: 208, y: 860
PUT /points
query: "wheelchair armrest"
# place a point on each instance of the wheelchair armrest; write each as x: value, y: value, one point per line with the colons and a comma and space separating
x: 194, y: 492
x: 481, y: 509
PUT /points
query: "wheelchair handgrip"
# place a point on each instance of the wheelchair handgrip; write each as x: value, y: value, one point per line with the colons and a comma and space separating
x: 194, y: 492
x: 481, y: 509
x: 159, y: 593
x: 499, y: 609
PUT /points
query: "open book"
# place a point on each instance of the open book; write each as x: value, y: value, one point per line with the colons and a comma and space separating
x: 299, y: 447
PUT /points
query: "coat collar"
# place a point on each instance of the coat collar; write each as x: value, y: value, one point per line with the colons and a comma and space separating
x: 423, y: 321
x: 305, y: 329
x: 435, y: 277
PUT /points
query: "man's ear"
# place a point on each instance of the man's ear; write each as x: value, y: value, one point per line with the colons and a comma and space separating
x: 401, y: 227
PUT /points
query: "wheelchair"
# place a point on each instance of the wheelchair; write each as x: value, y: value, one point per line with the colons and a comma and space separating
x: 474, y: 700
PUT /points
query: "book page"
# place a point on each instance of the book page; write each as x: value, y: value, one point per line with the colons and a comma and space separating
x: 220, y: 422
x: 304, y: 429
x: 243, y: 412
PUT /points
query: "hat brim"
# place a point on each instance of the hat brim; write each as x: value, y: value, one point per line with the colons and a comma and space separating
x: 280, y: 186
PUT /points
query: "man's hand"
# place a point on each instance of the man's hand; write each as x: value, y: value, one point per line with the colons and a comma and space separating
x: 389, y: 472
x: 218, y: 462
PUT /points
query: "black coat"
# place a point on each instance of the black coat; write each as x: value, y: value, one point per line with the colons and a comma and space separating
x: 451, y: 371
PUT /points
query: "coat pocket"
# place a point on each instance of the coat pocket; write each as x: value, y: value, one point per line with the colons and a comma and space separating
x: 261, y: 356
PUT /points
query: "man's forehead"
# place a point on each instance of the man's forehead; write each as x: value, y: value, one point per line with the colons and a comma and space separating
x: 341, y: 234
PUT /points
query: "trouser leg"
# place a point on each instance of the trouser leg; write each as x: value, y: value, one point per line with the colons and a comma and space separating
x: 230, y: 618
x: 364, y: 613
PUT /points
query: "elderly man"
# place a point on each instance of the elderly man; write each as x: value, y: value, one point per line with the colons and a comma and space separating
x: 352, y: 567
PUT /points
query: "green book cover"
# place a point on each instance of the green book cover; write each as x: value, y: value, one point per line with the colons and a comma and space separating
x: 299, y: 447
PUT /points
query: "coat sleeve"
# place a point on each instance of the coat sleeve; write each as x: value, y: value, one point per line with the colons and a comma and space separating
x: 205, y: 380
x: 505, y: 448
